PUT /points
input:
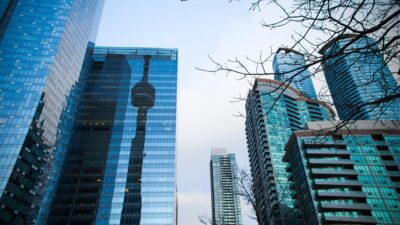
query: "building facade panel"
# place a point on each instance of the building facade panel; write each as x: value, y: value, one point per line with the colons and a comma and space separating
x: 42, y: 46
x: 365, y: 191
x: 290, y: 67
x: 273, y: 112
x: 224, y: 189
x: 121, y: 162
x: 358, y: 78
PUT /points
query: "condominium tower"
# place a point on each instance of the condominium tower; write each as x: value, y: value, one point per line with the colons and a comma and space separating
x: 273, y: 111
x: 358, y: 78
x: 346, y: 175
x: 290, y: 68
x: 120, y: 165
x: 42, y: 46
x: 224, y: 189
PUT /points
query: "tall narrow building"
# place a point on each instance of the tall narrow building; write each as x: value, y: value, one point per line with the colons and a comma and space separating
x: 289, y: 67
x: 357, y: 76
x: 273, y: 111
x: 346, y: 175
x: 120, y: 166
x: 42, y: 47
x: 224, y: 189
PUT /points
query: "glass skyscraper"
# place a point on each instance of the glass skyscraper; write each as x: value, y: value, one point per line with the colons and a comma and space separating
x: 224, y: 189
x: 289, y: 68
x: 356, y: 75
x: 42, y: 47
x: 273, y: 111
x: 347, y: 175
x: 120, y: 166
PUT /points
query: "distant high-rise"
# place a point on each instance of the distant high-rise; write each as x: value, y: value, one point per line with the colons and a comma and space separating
x: 120, y: 166
x: 42, y: 47
x: 346, y: 175
x: 289, y: 67
x: 273, y: 111
x: 356, y: 76
x: 224, y: 189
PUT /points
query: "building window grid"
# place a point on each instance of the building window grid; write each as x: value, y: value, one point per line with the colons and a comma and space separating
x: 367, y: 155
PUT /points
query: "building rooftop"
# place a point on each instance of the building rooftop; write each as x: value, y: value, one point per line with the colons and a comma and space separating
x: 160, y: 52
x: 279, y: 87
x: 288, y: 50
x: 356, y: 127
x: 219, y: 151
x: 338, y: 127
x: 334, y: 40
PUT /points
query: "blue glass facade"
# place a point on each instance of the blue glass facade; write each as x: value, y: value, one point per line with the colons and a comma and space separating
x: 224, y: 189
x: 120, y: 167
x: 3, y: 7
x: 347, y: 176
x: 356, y: 75
x: 42, y: 46
x: 289, y: 68
x: 273, y: 112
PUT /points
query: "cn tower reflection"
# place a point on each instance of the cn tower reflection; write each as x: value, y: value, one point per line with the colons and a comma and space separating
x: 143, y: 98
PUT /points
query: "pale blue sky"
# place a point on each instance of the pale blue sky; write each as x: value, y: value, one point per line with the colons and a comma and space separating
x: 197, y: 28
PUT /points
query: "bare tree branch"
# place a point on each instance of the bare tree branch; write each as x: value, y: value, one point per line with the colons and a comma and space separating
x: 204, y: 219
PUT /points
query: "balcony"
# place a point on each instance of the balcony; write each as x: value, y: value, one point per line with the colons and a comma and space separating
x: 344, y: 207
x: 272, y: 191
x: 326, y: 152
x: 348, y: 183
x: 341, y: 195
x: 389, y: 163
x: 381, y: 143
x: 290, y: 177
x: 396, y: 184
x: 385, y: 152
x: 334, y: 162
x: 324, y: 172
x: 324, y: 144
x: 394, y: 173
x: 288, y: 168
x: 349, y: 220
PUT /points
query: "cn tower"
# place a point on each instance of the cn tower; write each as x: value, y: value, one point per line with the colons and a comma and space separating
x: 143, y: 98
